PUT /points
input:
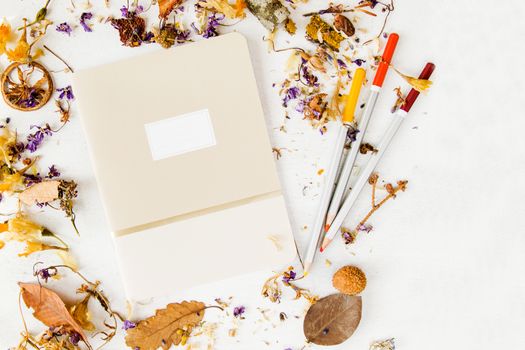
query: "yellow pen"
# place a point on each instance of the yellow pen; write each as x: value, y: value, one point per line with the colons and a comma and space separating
x: 342, y: 129
x: 348, y: 118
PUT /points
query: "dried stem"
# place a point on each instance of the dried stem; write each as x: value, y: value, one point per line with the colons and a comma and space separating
x: 401, y: 186
x: 60, y: 58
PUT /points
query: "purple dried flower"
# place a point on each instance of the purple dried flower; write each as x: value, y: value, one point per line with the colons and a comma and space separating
x: 31, y: 179
x: 300, y: 106
x: 46, y: 274
x: 64, y: 28
x: 124, y: 11
x: 351, y: 134
x: 53, y: 172
x: 289, y: 276
x: 66, y: 92
x: 213, y: 22
x: 359, y: 62
x: 311, y: 79
x: 74, y: 338
x: 291, y: 94
x: 341, y: 63
x: 31, y: 100
x: 128, y: 325
x: 364, y: 228
x: 83, y: 18
x: 238, y: 311
x: 35, y: 140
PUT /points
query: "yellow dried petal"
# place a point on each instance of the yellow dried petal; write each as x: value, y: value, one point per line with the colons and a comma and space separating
x: 420, y: 85
x: 11, y: 182
x: 20, y: 53
x: 33, y: 247
x: 2, y: 244
x: 5, y: 35
x: 224, y: 7
x: 67, y: 259
x: 80, y: 313
x: 24, y: 229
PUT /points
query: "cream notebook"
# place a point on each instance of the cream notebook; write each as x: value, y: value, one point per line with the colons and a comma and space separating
x: 184, y: 166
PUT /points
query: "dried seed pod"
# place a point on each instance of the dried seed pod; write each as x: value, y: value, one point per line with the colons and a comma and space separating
x: 343, y: 24
x: 349, y: 280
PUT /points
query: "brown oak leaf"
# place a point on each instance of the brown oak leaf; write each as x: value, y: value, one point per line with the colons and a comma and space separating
x: 50, y: 309
x: 164, y: 328
x: 42, y: 192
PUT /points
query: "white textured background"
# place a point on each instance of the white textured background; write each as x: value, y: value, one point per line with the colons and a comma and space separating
x: 445, y: 262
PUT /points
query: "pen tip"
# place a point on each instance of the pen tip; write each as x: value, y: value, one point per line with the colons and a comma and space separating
x: 321, y: 249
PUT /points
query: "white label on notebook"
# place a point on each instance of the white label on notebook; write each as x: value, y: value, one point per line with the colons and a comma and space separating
x: 181, y: 134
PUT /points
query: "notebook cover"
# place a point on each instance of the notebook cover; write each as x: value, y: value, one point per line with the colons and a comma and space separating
x: 121, y: 103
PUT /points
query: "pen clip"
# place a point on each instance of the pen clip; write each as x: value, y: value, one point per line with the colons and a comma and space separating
x: 386, y: 58
x: 413, y: 94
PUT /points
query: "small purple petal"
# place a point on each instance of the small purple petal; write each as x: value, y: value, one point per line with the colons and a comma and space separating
x: 64, y: 28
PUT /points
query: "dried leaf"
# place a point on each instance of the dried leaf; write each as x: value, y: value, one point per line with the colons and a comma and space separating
x: 42, y: 192
x: 333, y: 319
x: 224, y: 7
x: 167, y: 6
x: 49, y: 308
x: 270, y: 13
x: 80, y: 313
x: 164, y: 328
x: 343, y: 24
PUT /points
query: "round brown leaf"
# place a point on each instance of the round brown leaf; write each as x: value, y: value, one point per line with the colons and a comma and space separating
x: 333, y: 319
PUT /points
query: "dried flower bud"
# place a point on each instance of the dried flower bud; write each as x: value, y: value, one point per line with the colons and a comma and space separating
x: 373, y: 179
x: 390, y: 189
x: 343, y: 24
x: 41, y: 14
x: 402, y: 185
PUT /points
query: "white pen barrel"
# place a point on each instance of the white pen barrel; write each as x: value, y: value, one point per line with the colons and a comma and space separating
x: 327, y: 194
x: 344, y: 178
x: 365, y: 174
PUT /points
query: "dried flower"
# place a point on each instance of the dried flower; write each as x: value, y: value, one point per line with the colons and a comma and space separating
x: 222, y: 6
x: 132, y: 29
x: 64, y: 28
x: 21, y: 53
x: 291, y: 94
x: 208, y: 23
x: 84, y: 17
x: 388, y: 344
x: 35, y: 140
x: 170, y: 34
x: 128, y: 325
x: 420, y: 85
x: 5, y: 35
x: 364, y: 228
x: 67, y: 191
x: 289, y: 276
x: 239, y: 311
x: 66, y: 92
x: 53, y: 172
